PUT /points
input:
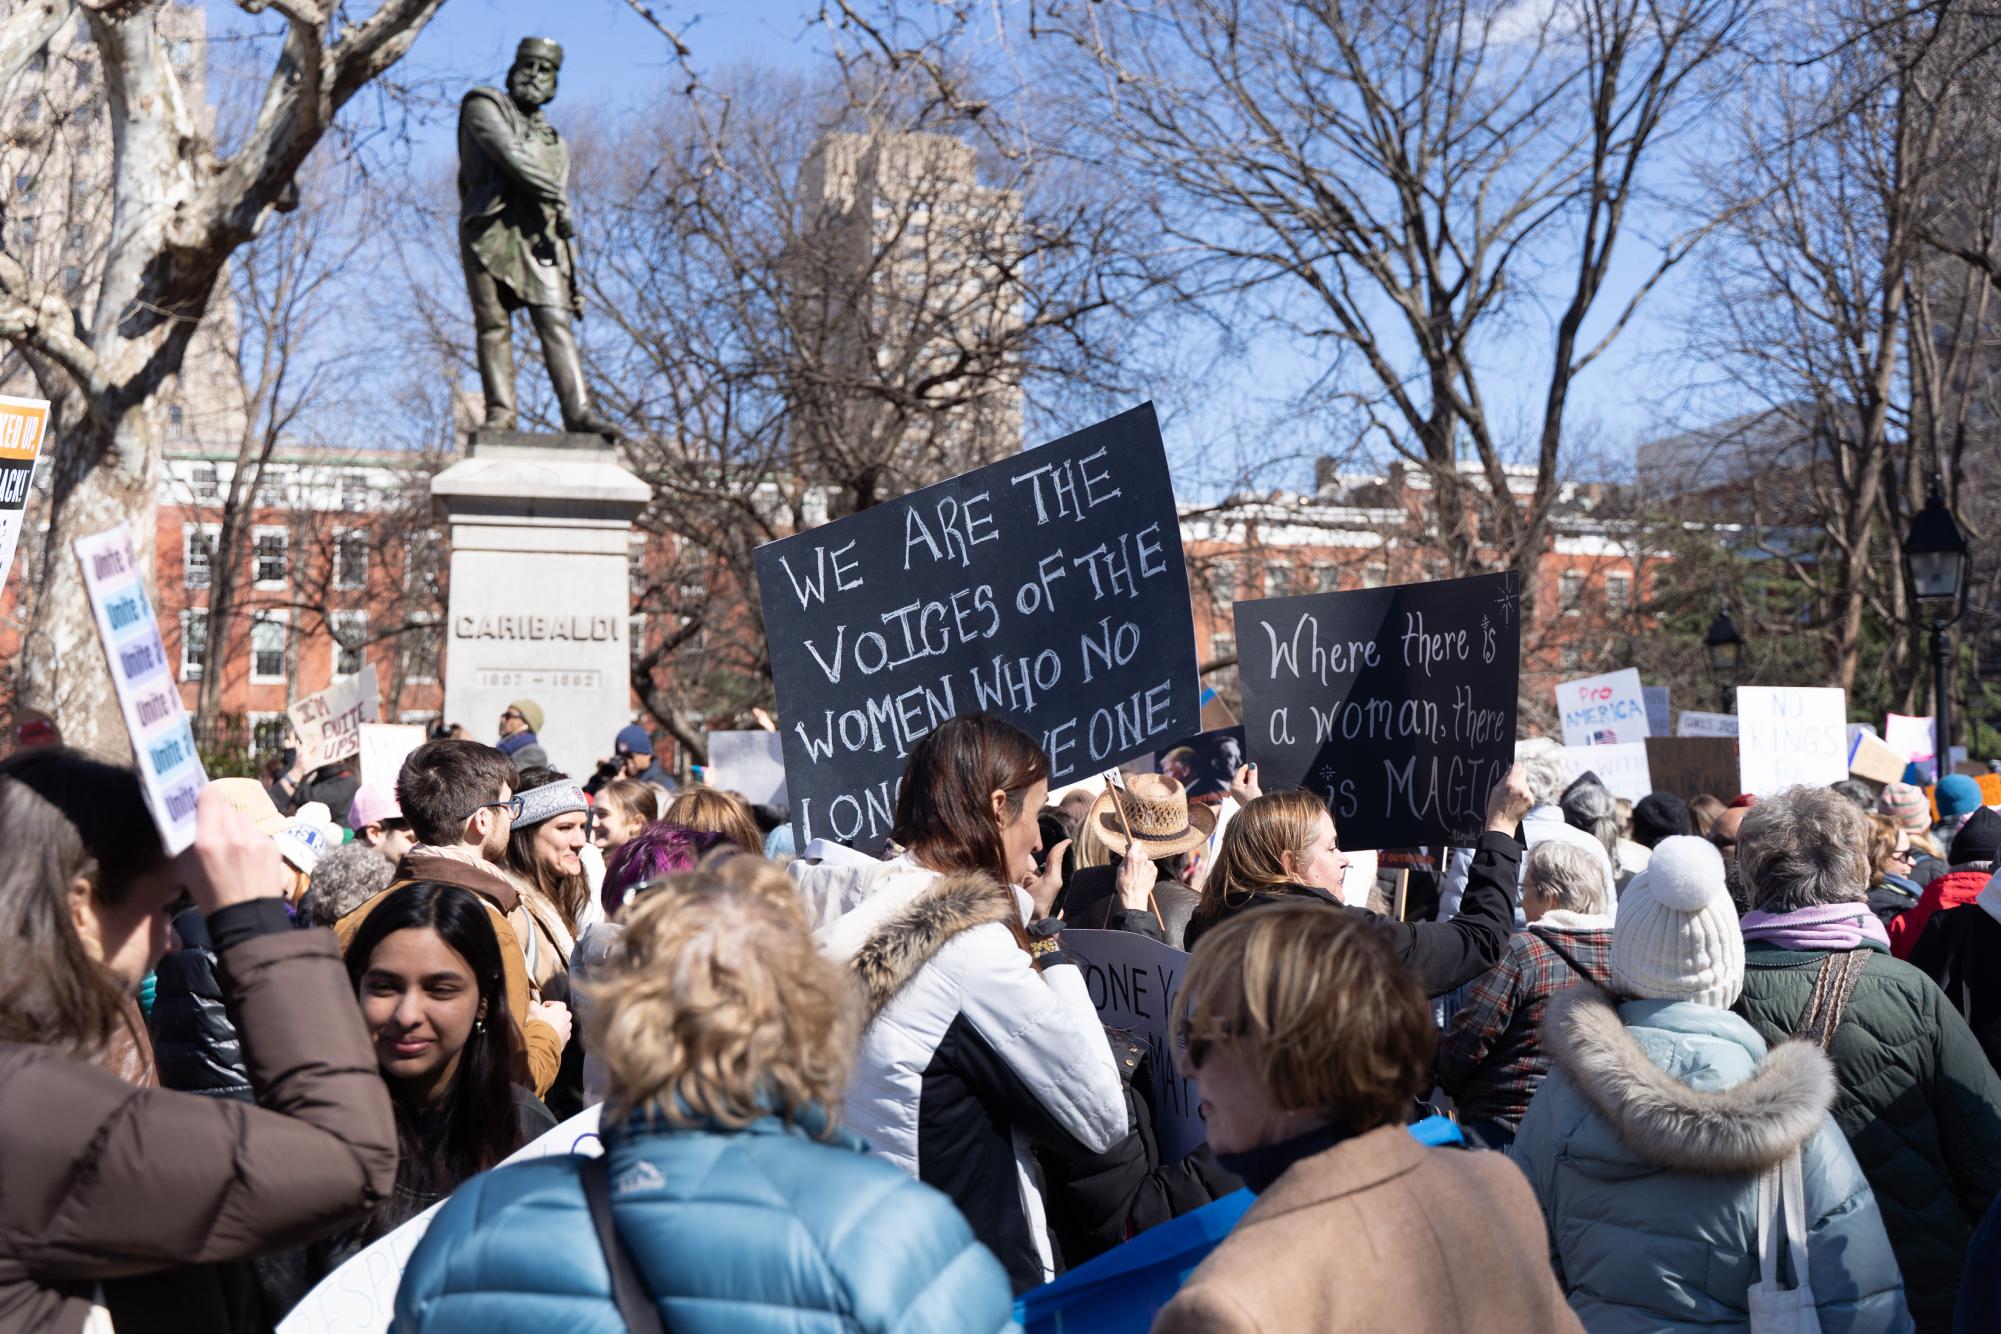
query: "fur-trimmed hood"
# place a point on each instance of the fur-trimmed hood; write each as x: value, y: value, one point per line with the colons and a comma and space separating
x: 1733, y: 1131
x: 904, y: 941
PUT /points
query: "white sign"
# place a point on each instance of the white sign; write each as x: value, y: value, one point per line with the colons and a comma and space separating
x: 1131, y: 979
x: 752, y: 763
x: 22, y: 423
x: 1791, y: 735
x: 360, y: 1296
x: 1706, y: 724
x: 1621, y: 768
x: 1911, y: 737
x: 384, y: 747
x: 1603, y: 710
x: 328, y: 722
x: 169, y: 766
x: 1657, y: 711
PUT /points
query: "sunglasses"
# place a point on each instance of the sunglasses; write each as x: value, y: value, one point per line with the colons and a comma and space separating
x: 1194, y: 1051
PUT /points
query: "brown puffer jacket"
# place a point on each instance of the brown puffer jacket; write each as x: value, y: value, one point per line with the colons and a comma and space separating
x: 103, y: 1185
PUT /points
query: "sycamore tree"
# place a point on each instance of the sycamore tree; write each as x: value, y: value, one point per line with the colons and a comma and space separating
x: 182, y: 205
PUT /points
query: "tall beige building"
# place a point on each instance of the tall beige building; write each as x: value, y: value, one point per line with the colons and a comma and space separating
x: 907, y: 272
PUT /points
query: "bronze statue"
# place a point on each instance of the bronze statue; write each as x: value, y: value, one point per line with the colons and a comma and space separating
x: 516, y: 239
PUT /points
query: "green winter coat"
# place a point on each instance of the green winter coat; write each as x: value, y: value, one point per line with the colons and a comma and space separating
x: 1919, y: 1103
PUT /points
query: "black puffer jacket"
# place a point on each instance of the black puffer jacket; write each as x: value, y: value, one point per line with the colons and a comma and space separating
x: 1096, y: 1201
x: 194, y: 1043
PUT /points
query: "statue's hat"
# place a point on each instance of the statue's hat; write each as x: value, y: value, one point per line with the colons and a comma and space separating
x: 539, y: 46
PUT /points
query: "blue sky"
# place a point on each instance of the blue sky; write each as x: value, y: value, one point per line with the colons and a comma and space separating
x: 614, y: 60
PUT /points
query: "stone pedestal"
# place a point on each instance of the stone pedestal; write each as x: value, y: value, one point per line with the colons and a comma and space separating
x: 540, y: 604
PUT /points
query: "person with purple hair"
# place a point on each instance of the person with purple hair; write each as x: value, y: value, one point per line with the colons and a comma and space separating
x: 661, y: 848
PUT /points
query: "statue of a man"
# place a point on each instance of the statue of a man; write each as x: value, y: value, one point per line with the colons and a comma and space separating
x: 516, y: 239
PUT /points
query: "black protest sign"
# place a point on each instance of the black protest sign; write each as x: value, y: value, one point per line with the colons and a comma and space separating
x: 1396, y: 704
x: 1048, y: 589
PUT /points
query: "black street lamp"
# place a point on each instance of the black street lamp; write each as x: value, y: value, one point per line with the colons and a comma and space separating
x: 1725, y: 647
x: 1939, y: 564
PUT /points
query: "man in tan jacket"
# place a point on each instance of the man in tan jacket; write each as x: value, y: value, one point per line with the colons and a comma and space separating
x: 458, y: 798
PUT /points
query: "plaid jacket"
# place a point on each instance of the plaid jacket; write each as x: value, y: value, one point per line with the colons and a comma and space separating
x: 1491, y: 1060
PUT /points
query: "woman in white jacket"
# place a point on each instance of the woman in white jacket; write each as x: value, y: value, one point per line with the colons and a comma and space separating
x: 982, y: 1040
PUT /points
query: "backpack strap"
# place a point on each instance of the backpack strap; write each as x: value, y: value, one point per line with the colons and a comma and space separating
x: 628, y: 1291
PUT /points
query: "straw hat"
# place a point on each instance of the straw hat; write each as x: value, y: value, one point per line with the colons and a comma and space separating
x: 1156, y: 807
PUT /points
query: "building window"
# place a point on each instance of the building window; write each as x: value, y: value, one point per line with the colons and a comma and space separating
x: 1375, y: 574
x: 1223, y: 581
x: 1222, y: 647
x: 1569, y: 590
x: 1278, y: 581
x: 1618, y: 593
x: 194, y: 643
x: 177, y: 417
x: 635, y: 565
x: 421, y: 566
x: 350, y: 632
x: 417, y: 649
x: 270, y: 544
x: 269, y: 634
x: 208, y: 482
x: 354, y: 491
x: 1327, y: 578
x: 350, y: 559
x: 635, y: 633
x: 273, y: 485
x: 197, y: 554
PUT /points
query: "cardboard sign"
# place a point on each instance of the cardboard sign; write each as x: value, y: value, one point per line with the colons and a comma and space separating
x: 1871, y: 758
x: 1914, y: 738
x: 1657, y: 711
x: 1396, y: 704
x: 1603, y: 710
x: 384, y: 747
x: 22, y: 424
x: 750, y: 763
x: 360, y: 1296
x: 1048, y: 589
x: 1131, y: 979
x: 1791, y: 735
x: 1622, y: 768
x: 170, y: 767
x: 1706, y: 724
x: 328, y: 722
x: 1205, y: 763
x: 1693, y: 766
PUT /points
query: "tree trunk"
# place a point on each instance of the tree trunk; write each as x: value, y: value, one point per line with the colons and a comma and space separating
x: 103, y: 477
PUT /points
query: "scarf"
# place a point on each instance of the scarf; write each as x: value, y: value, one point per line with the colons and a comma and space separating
x: 521, y: 740
x: 1825, y: 926
x: 1265, y: 1164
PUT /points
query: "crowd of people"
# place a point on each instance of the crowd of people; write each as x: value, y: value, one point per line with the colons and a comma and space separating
x: 1720, y: 1064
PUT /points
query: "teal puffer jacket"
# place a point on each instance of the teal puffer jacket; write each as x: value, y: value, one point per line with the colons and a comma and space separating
x: 1644, y: 1148
x: 1919, y: 1103
x: 765, y: 1229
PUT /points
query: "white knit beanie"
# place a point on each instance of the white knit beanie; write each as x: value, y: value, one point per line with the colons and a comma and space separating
x: 1677, y: 936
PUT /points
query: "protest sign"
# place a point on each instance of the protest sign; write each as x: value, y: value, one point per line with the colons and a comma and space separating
x: 1657, y: 711
x: 1914, y: 738
x: 1603, y: 710
x: 1871, y: 758
x: 169, y: 765
x: 1048, y: 588
x: 1205, y: 763
x: 360, y: 1296
x: 384, y: 747
x: 749, y: 763
x: 22, y: 423
x: 1131, y: 980
x: 1622, y: 768
x: 1789, y: 735
x: 328, y: 722
x: 1692, y: 723
x: 1397, y: 704
x: 1693, y: 766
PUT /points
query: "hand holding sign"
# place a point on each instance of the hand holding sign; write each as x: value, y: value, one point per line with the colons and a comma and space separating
x: 229, y: 862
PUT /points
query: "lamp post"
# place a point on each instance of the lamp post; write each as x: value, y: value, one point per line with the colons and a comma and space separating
x: 1725, y: 647
x: 1938, y: 563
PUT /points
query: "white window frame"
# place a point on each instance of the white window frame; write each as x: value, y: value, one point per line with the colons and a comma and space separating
x: 425, y: 622
x: 354, y: 504
x: 257, y: 534
x: 635, y: 630
x: 355, y: 617
x: 1622, y: 602
x: 191, y: 670
x: 1569, y: 591
x: 283, y: 619
x: 189, y: 532
x: 340, y: 538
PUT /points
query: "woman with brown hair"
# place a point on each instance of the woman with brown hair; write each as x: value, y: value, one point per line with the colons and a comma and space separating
x: 714, y: 811
x: 622, y: 808
x: 544, y: 847
x: 981, y: 1043
x: 1308, y: 1043
x: 1282, y: 848
x: 124, y: 1199
x: 738, y: 1204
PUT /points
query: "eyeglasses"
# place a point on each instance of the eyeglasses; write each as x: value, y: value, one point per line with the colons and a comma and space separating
x: 513, y: 807
x: 1194, y: 1051
x: 513, y: 714
x: 1904, y: 855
